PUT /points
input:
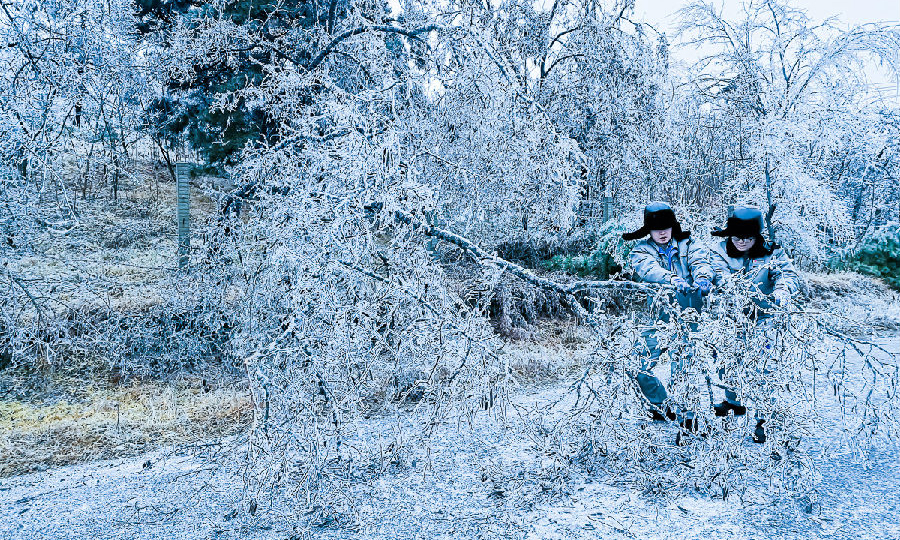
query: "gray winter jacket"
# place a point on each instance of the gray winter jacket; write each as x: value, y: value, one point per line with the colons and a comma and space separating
x: 690, y: 262
x: 769, y: 272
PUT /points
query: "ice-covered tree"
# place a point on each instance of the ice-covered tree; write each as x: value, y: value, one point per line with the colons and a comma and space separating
x: 793, y: 86
x: 72, y: 84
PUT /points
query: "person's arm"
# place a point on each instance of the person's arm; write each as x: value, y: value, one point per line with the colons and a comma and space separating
x: 719, y: 266
x: 698, y: 262
x: 783, y: 273
x: 647, y: 268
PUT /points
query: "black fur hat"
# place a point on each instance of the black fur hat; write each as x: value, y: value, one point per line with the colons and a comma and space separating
x: 746, y: 222
x: 657, y: 216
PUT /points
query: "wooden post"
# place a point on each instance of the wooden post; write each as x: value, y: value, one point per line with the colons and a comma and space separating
x: 607, y: 208
x: 771, y: 210
x: 183, y: 212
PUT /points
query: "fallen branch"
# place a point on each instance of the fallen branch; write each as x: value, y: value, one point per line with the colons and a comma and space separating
x: 515, y: 269
x: 567, y: 291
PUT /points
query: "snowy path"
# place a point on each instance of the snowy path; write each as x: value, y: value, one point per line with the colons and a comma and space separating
x: 480, y: 484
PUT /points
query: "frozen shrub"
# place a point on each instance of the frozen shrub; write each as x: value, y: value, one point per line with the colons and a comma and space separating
x: 879, y: 256
x: 812, y: 386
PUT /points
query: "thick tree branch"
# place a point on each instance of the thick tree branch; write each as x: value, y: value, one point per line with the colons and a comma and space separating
x: 513, y: 268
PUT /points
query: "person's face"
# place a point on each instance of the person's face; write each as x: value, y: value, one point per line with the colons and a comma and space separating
x: 661, y: 236
x: 743, y: 244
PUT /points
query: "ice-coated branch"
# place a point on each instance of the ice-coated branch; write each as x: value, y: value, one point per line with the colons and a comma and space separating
x: 513, y: 268
x: 314, y: 63
x: 34, y: 302
x: 376, y: 277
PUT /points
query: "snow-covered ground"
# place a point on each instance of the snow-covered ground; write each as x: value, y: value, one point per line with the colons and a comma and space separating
x: 481, y: 481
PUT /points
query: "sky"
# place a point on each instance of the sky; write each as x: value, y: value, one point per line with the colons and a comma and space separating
x: 863, y: 11
x: 661, y: 14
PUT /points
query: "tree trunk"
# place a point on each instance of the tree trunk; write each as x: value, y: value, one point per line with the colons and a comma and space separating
x: 771, y: 210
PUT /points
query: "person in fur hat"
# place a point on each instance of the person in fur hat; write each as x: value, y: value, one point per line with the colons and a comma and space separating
x: 744, y: 250
x: 668, y: 256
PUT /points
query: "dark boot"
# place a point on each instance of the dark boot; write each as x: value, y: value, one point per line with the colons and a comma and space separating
x: 759, y: 433
x: 688, y: 425
x: 721, y: 409
x: 657, y: 415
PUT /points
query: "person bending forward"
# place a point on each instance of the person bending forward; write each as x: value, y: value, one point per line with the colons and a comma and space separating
x: 669, y: 257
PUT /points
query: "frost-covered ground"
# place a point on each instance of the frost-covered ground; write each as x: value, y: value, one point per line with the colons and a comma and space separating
x: 480, y: 481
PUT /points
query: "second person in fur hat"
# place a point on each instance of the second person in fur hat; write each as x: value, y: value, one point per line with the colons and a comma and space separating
x: 772, y: 274
x: 745, y: 250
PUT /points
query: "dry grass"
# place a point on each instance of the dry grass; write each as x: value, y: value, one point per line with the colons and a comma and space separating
x: 117, y: 422
x: 115, y: 254
x: 555, y: 348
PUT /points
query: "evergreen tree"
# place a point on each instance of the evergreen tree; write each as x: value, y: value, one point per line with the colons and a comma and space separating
x: 190, y: 106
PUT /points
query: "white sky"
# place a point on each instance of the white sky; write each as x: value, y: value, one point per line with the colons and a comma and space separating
x: 850, y: 12
x: 661, y: 14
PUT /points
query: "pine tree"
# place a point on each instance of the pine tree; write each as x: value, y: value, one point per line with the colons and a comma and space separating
x: 187, y: 109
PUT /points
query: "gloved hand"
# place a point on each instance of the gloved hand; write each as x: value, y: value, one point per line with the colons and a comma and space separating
x: 781, y: 297
x: 681, y: 285
x: 704, y: 285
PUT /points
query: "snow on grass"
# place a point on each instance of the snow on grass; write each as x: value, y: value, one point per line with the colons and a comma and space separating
x: 482, y: 477
x: 859, y: 301
x: 115, y: 255
x: 116, y: 421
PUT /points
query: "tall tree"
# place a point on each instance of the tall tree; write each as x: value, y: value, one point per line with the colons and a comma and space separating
x: 791, y: 84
